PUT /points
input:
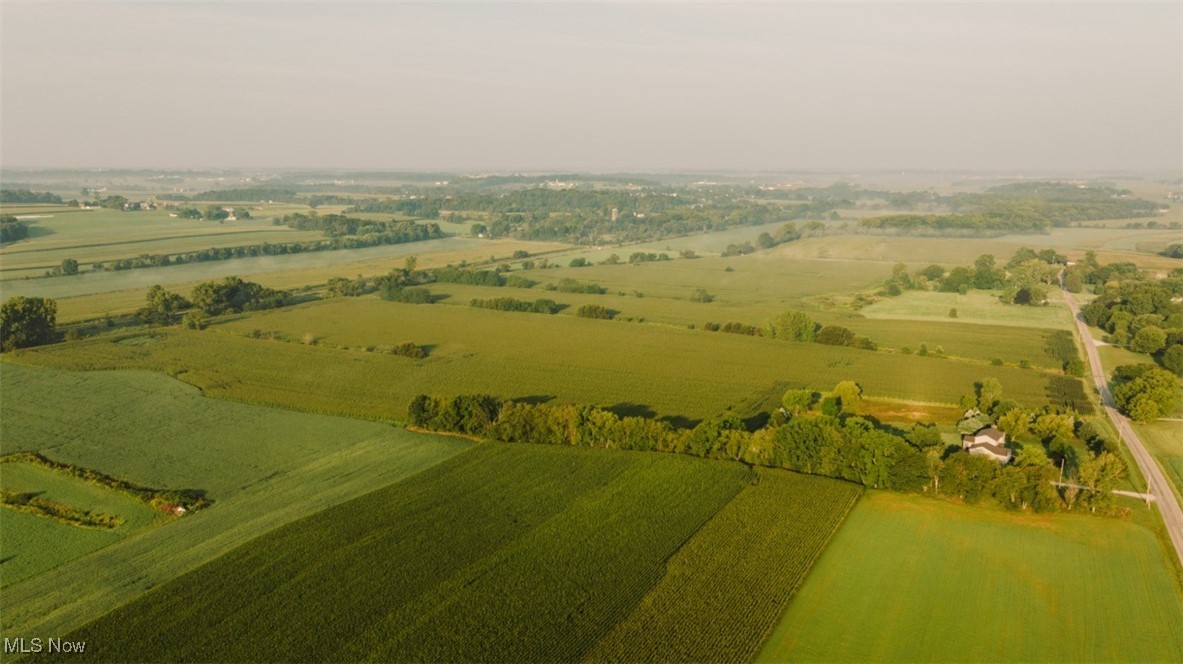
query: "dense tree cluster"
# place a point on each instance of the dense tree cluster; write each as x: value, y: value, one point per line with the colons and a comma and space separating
x: 596, y: 216
x: 1026, y: 279
x: 798, y: 326
x: 338, y: 225
x: 1173, y: 251
x: 568, y: 285
x: 12, y: 229
x: 1032, y: 207
x: 539, y: 306
x: 1138, y: 311
x: 733, y: 327
x: 25, y: 196
x: 595, y: 311
x: 244, y: 195
x: 234, y: 295
x: 1145, y: 392
x: 27, y: 321
x: 162, y: 307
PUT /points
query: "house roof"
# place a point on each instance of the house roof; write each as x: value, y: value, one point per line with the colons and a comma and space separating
x: 992, y: 432
x: 996, y: 450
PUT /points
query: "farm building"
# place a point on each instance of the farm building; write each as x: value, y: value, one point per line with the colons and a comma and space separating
x: 988, y: 441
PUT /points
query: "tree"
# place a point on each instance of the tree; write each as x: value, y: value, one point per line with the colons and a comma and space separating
x: 1172, y: 359
x: 796, y: 402
x: 1149, y: 339
x: 835, y: 335
x: 1101, y: 474
x: 985, y: 274
x: 1148, y: 392
x: 989, y: 393
x: 849, y: 395
x: 793, y: 326
x: 479, y: 230
x: 161, y: 306
x: 924, y: 436
x: 409, y: 263
x: 27, y: 321
x: 69, y: 266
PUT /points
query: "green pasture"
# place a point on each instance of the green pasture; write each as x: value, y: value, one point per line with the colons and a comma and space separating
x: 973, y: 308
x: 911, y: 579
x: 726, y: 588
x: 507, y: 552
x: 640, y: 369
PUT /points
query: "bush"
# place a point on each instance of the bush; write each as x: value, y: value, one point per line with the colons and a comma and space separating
x: 395, y: 293
x: 595, y: 311
x: 835, y: 335
x: 700, y: 295
x: 408, y: 349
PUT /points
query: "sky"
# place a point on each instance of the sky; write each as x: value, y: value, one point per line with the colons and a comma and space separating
x: 596, y: 87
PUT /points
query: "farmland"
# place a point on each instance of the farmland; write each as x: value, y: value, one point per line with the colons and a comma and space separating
x: 435, y: 567
x: 32, y: 544
x: 262, y: 467
x: 929, y: 581
x: 725, y: 589
x: 611, y: 363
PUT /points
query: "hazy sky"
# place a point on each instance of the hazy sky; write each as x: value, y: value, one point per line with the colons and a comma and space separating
x: 594, y: 86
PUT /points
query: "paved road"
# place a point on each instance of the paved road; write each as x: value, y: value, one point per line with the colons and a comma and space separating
x: 1156, y: 482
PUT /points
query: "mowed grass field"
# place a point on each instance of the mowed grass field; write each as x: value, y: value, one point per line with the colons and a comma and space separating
x: 664, y: 371
x: 975, y: 307
x: 508, y: 552
x: 263, y: 467
x: 909, y: 579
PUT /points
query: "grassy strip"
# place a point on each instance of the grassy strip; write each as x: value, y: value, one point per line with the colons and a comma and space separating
x: 60, y: 512
x: 175, y: 501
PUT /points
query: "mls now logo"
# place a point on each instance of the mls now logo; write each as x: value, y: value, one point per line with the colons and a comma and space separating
x: 35, y: 645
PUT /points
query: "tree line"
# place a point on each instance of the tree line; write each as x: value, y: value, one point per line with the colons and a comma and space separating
x: 833, y: 443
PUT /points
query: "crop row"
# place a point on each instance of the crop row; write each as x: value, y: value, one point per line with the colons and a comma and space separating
x: 727, y: 587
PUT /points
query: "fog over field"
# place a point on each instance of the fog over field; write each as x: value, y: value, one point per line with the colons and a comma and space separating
x: 1090, y: 87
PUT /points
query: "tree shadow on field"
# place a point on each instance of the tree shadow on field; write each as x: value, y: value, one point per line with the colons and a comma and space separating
x: 680, y: 421
x: 534, y: 399
x: 38, y: 231
x: 440, y: 297
x: 757, y: 421
x: 629, y: 409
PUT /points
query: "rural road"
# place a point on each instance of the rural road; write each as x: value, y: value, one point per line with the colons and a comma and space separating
x: 1156, y: 482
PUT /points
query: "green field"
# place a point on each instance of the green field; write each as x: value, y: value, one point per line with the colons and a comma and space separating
x: 263, y: 468
x: 669, y: 371
x: 724, y: 591
x: 974, y: 308
x: 1164, y: 440
x: 31, y: 544
x: 910, y: 579
x: 747, y: 303
x: 88, y: 236
x: 508, y: 552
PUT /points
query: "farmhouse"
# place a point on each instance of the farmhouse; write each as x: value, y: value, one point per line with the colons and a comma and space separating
x: 988, y: 441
